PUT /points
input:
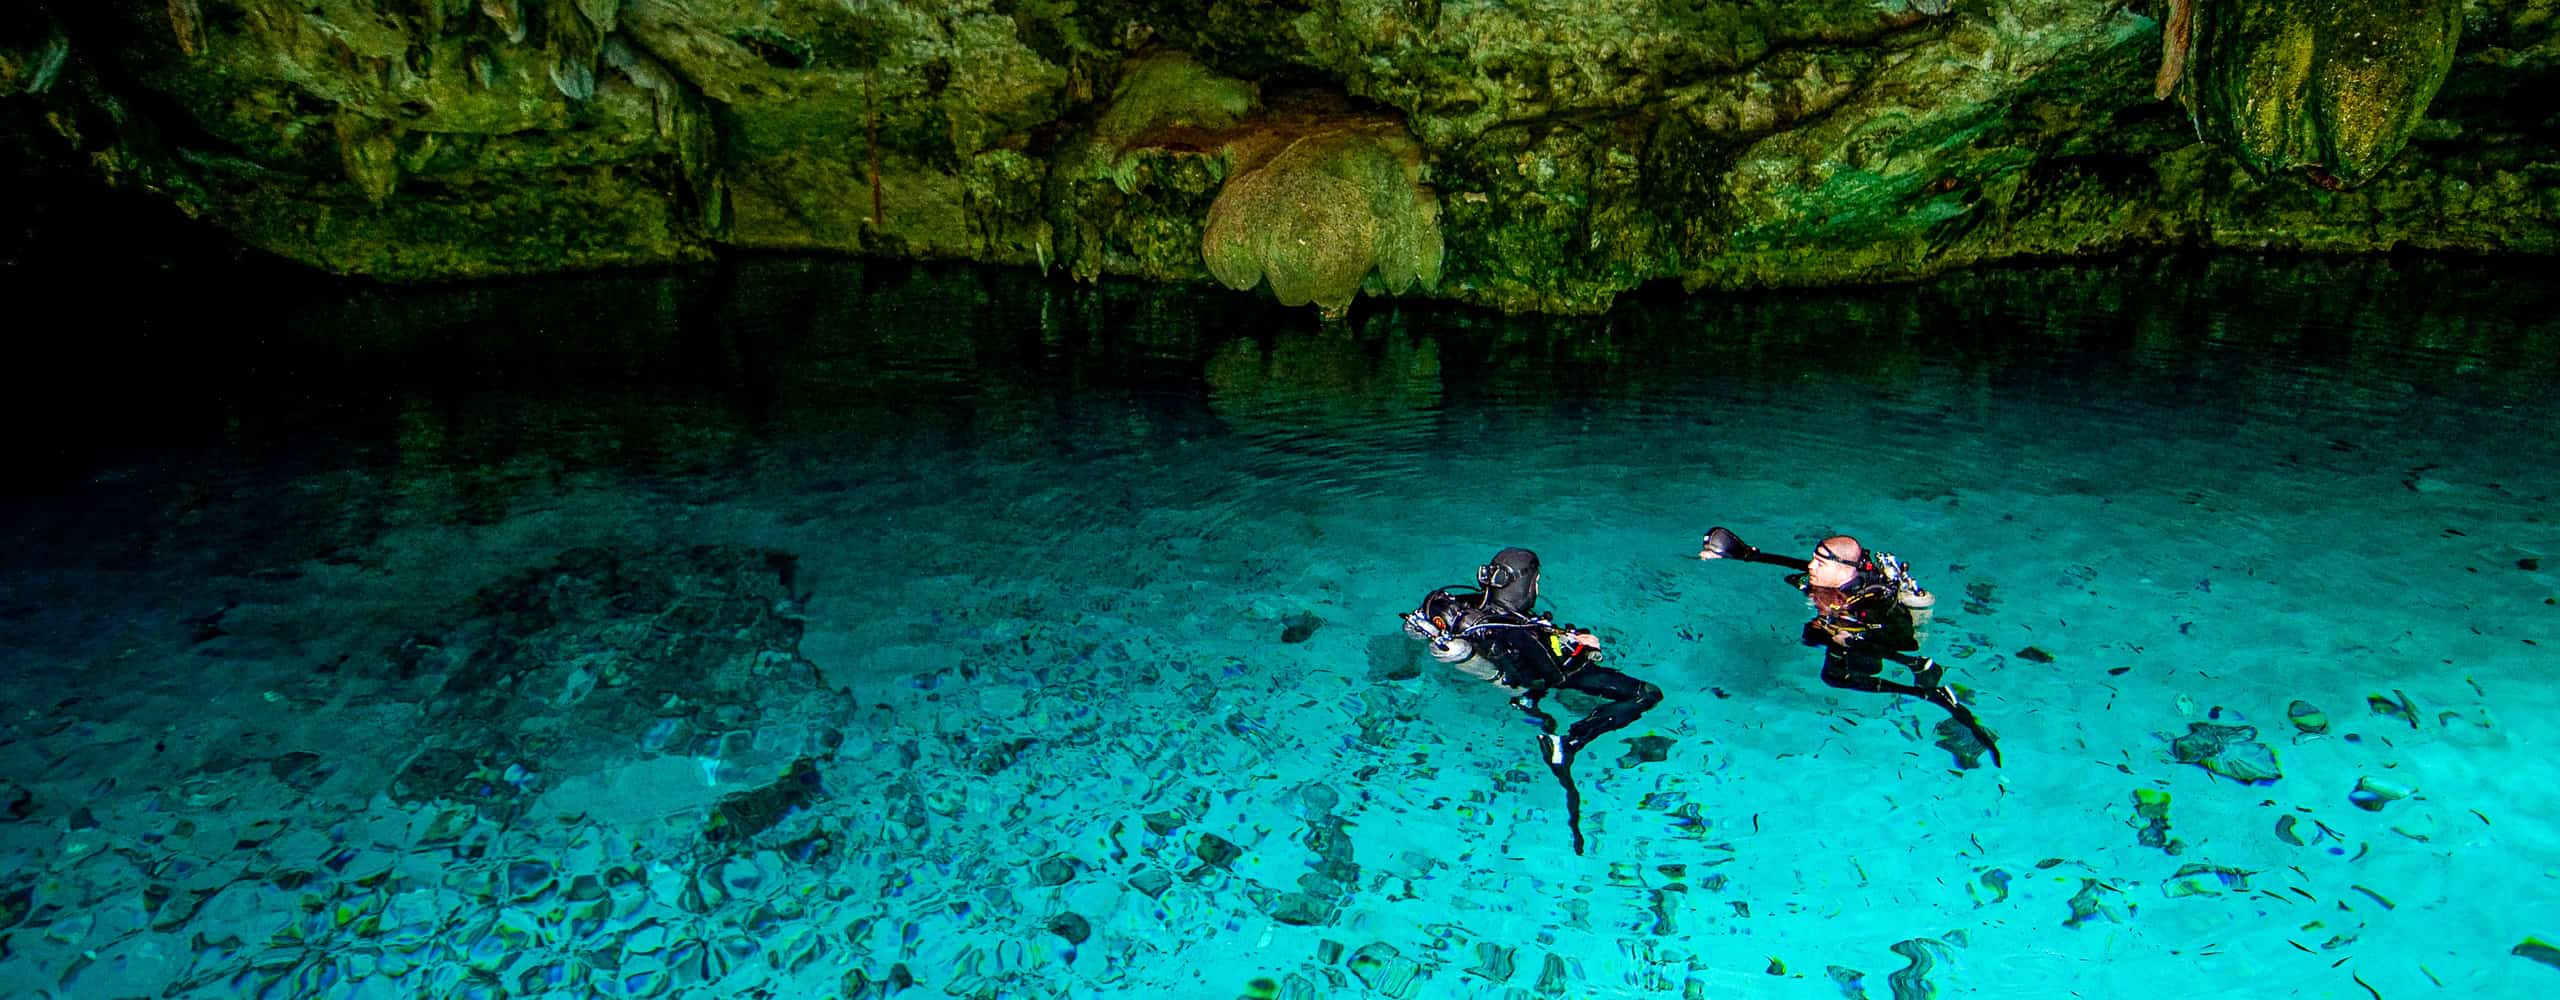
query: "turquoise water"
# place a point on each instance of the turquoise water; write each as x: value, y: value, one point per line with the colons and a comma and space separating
x: 822, y: 630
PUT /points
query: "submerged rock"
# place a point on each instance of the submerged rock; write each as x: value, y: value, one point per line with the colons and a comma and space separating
x: 2291, y: 830
x: 2205, y: 880
x: 740, y: 816
x: 1915, y: 980
x: 1217, y: 851
x: 1379, y: 966
x: 2093, y: 902
x: 1151, y: 883
x: 2535, y: 949
x: 2230, y: 751
x: 2152, y: 806
x: 1962, y: 742
x: 2396, y: 706
x: 1647, y: 749
x: 1494, y: 963
x: 1994, y: 882
x: 2371, y: 793
x: 1056, y: 870
x: 1299, y: 627
x: 1300, y: 909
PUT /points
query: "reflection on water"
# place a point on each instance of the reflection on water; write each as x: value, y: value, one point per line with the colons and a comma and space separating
x: 457, y: 404
x: 453, y: 404
x: 679, y: 371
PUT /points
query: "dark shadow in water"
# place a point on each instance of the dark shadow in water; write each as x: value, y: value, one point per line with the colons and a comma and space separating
x: 683, y: 371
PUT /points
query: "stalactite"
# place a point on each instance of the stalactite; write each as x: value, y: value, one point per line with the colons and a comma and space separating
x: 681, y: 123
x: 420, y: 153
x: 871, y: 118
x: 697, y: 142
x: 572, y: 45
x: 2176, y: 34
x: 48, y: 63
x: 410, y: 70
x: 649, y: 75
x: 601, y: 13
x: 370, y: 151
x: 484, y: 65
x: 574, y: 80
x: 508, y: 15
x: 186, y: 18
x: 645, y: 72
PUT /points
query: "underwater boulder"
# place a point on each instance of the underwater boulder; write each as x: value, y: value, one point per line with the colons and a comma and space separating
x: 2230, y: 751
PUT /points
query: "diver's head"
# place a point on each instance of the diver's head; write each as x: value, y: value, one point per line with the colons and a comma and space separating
x: 1510, y: 581
x: 1835, y: 561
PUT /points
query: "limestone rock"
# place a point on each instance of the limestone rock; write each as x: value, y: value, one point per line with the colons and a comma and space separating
x: 2331, y: 90
x: 1520, y: 156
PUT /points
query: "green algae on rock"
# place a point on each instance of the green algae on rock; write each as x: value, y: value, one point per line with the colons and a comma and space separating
x: 1524, y: 157
x: 1317, y: 205
x: 2329, y: 90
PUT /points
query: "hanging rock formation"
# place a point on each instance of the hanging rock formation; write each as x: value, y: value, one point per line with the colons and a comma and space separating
x: 1524, y: 156
x: 2328, y: 90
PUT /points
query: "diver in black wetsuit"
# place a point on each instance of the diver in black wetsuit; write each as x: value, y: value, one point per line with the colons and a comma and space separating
x: 1488, y: 631
x: 1864, y: 608
x: 1863, y: 614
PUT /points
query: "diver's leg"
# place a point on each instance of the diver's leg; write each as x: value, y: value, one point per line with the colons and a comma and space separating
x: 1627, y: 699
x: 1549, y: 745
x: 1852, y: 672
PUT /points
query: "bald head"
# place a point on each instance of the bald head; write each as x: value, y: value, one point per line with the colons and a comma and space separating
x: 1835, y: 561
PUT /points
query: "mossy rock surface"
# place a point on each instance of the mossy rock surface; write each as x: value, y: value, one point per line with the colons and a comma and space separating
x: 2331, y: 90
x: 1557, y: 155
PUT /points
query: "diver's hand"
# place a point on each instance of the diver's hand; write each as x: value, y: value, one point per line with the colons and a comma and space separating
x: 1719, y: 543
x: 1831, y: 633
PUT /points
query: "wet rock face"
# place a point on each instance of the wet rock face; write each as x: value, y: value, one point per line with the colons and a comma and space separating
x: 2328, y: 90
x: 1522, y: 156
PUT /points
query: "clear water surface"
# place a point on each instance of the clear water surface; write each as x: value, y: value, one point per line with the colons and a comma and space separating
x: 814, y: 629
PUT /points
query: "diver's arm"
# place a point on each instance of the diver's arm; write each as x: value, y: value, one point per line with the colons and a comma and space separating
x: 1722, y: 544
x: 1825, y: 630
x: 1871, y: 623
x: 1576, y: 646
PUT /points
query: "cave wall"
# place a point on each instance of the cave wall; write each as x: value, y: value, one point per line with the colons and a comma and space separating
x: 1522, y: 155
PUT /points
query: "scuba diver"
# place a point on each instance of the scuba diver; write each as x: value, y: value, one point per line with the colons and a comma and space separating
x: 1867, y: 609
x: 1489, y: 632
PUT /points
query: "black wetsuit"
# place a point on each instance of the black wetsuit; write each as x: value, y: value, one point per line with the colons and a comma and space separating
x: 1530, y: 655
x: 1869, y: 613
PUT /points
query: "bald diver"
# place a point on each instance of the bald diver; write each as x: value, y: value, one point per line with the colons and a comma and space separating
x: 1864, y: 607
